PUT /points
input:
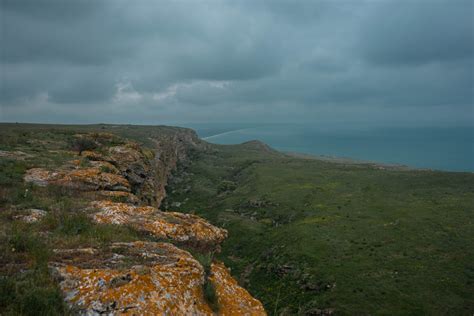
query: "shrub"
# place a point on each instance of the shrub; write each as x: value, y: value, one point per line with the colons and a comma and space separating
x: 226, y: 186
x: 83, y: 143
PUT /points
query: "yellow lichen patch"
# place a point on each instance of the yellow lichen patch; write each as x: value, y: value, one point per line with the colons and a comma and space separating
x: 92, y: 155
x: 81, y: 179
x: 118, y: 196
x: 171, y: 288
x: 76, y: 162
x: 185, y: 227
x: 119, y: 213
x: 93, y: 178
x: 105, y: 166
x: 172, y: 225
x: 233, y: 300
x: 128, y: 153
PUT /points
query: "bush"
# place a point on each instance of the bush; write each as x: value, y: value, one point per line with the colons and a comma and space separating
x: 226, y: 186
x: 82, y: 143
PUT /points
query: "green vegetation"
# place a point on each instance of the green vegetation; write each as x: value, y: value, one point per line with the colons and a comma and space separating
x: 306, y: 234
x: 81, y: 144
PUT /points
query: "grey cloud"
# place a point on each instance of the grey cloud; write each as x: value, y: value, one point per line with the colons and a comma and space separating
x: 273, y: 60
x: 418, y: 32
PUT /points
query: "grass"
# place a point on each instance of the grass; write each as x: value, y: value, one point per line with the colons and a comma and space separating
x: 355, y: 238
x: 209, y: 291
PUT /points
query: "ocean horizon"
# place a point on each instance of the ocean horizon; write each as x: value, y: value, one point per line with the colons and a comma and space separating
x: 447, y: 149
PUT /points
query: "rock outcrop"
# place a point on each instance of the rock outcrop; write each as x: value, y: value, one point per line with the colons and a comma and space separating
x: 125, y: 184
x: 31, y: 215
x: 187, y: 228
x: 147, y: 278
x: 234, y: 299
x: 165, y: 280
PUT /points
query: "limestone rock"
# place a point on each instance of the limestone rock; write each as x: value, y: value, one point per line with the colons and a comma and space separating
x: 93, y: 179
x: 84, y: 179
x: 172, y: 225
x: 32, y: 215
x: 118, y: 196
x: 146, y: 278
x: 40, y: 176
x: 233, y: 300
x: 171, y: 284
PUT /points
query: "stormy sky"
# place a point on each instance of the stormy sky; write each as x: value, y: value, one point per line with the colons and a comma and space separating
x: 401, y: 63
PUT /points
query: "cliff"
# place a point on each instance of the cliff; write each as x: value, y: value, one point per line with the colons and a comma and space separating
x: 122, y: 183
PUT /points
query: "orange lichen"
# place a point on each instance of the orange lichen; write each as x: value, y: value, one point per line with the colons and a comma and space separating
x: 118, y: 196
x: 172, y: 288
x: 172, y: 225
x: 94, y: 178
x: 106, y: 166
x: 92, y: 155
x: 233, y: 300
x: 82, y: 179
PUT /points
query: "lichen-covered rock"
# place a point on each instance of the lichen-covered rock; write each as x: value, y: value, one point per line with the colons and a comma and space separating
x: 233, y: 300
x: 84, y: 179
x: 118, y: 196
x: 93, y: 179
x: 32, y: 215
x: 171, y: 225
x: 146, y: 278
x: 92, y: 155
x: 169, y: 283
x: 40, y: 176
x: 105, y: 166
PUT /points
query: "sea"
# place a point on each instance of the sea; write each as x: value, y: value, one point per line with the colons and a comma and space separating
x: 447, y: 148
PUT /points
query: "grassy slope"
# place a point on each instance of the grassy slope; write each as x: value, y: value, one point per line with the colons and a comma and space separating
x: 374, y: 241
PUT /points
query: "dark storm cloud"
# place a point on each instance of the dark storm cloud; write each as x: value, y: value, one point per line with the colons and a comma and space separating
x: 419, y: 32
x: 238, y: 60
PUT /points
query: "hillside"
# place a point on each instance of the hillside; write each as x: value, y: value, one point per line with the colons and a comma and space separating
x: 303, y: 236
x: 311, y: 236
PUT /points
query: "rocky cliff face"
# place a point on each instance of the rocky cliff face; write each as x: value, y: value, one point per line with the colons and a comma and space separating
x: 124, y: 184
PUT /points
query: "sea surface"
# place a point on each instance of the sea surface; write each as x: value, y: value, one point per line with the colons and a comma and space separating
x: 450, y: 149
